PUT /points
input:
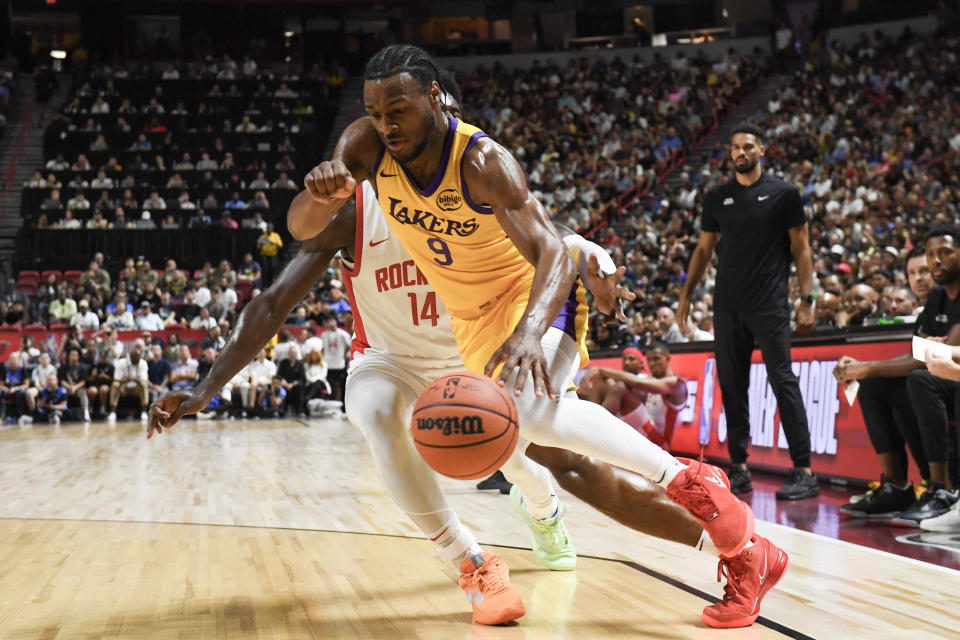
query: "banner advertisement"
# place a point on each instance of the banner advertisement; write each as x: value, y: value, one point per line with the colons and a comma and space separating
x: 839, y: 442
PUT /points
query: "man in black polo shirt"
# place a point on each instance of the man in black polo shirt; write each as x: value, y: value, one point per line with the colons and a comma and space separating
x: 757, y: 220
x: 902, y: 402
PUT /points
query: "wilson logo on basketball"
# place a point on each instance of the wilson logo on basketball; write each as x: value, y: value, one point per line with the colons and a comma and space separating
x: 466, y: 425
x: 449, y: 200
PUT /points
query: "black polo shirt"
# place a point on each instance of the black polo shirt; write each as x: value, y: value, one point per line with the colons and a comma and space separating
x: 754, y: 248
x: 939, y: 314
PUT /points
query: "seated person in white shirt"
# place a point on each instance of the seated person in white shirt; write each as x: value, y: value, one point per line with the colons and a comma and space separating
x: 261, y: 372
x: 38, y: 378
x: 282, y: 350
x: 130, y: 379
x: 184, y: 374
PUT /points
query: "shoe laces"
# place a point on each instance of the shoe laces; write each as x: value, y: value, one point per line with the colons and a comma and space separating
x: 488, y: 577
x: 552, y: 530
x: 695, y: 497
x: 726, y: 569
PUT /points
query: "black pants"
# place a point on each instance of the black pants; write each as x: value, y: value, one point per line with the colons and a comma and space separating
x: 735, y: 332
x: 295, y: 398
x: 338, y: 380
x: 933, y: 401
x: 269, y: 269
x: 891, y: 421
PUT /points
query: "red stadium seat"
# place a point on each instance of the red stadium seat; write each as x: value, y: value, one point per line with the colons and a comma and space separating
x: 29, y: 287
x: 73, y: 275
x: 35, y: 327
x: 59, y: 327
x: 244, y: 288
x: 28, y: 276
x: 48, y: 272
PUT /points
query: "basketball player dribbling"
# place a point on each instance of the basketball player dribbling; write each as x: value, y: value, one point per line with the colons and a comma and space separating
x: 649, y: 404
x: 460, y: 205
x: 378, y: 372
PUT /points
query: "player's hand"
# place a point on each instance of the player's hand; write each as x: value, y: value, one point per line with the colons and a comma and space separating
x: 849, y: 369
x: 942, y: 365
x: 804, y: 318
x: 590, y: 378
x: 606, y: 293
x: 522, y: 351
x: 683, y: 311
x: 329, y: 181
x: 169, y: 408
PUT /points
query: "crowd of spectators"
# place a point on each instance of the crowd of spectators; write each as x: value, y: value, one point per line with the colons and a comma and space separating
x: 589, y: 131
x: 597, y: 139
x: 867, y: 132
x: 84, y: 362
x: 185, y: 145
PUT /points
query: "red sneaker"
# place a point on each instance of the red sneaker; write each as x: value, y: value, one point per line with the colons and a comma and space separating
x: 749, y: 576
x: 704, y: 491
x: 488, y: 588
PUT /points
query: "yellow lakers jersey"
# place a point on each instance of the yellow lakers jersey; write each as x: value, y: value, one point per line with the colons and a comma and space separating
x: 457, y: 243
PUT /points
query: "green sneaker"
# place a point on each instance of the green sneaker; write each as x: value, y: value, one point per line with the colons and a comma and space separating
x: 551, y: 542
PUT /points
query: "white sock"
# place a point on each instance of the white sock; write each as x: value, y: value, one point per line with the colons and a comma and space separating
x: 454, y: 542
x: 706, y: 545
x: 533, y: 481
x: 542, y: 509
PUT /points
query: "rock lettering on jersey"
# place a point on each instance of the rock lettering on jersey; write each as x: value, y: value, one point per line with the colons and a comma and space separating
x: 466, y: 425
x: 431, y: 222
x: 398, y: 274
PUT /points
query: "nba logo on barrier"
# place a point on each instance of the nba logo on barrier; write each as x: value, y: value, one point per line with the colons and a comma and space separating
x: 450, y: 388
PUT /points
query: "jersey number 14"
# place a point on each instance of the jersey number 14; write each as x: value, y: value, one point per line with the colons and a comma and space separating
x: 428, y: 312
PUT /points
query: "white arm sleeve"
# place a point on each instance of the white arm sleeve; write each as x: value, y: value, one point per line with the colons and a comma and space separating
x: 581, y: 249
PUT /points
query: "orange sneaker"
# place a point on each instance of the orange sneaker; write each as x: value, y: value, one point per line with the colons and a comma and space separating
x: 704, y: 491
x: 750, y: 576
x: 488, y: 589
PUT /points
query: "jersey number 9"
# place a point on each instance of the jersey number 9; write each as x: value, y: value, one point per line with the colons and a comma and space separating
x: 440, y: 248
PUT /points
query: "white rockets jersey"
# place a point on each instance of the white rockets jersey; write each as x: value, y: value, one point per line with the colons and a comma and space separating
x: 663, y: 409
x: 396, y: 313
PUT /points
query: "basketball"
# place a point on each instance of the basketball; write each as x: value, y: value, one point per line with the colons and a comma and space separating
x: 464, y: 426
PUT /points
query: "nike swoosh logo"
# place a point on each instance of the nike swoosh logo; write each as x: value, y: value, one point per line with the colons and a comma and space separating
x: 763, y: 575
x: 373, y: 244
x: 762, y: 198
x: 387, y: 175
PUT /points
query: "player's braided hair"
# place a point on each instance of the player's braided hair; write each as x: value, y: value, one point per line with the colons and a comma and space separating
x: 400, y: 58
x: 450, y: 86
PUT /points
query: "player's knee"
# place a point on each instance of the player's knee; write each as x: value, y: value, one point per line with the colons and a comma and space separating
x: 536, y: 417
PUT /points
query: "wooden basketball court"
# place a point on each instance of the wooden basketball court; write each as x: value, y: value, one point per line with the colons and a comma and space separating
x: 281, y: 529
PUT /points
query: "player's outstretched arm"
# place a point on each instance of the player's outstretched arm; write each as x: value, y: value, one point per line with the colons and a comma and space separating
x: 663, y: 386
x: 598, y: 272
x: 494, y: 177
x: 332, y: 182
x: 261, y: 319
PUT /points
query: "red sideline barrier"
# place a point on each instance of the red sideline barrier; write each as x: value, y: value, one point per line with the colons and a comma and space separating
x: 838, y: 436
x: 10, y: 339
